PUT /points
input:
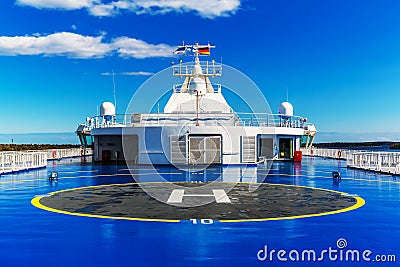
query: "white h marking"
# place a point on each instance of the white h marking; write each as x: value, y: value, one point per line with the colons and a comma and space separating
x: 178, y: 194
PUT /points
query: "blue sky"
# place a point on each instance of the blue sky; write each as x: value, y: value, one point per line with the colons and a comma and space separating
x: 339, y: 60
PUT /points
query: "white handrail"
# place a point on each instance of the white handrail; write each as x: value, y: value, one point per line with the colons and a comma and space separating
x: 386, y: 162
x: 171, y: 119
x: 53, y: 154
x: 14, y: 161
x: 378, y: 161
x: 333, y: 153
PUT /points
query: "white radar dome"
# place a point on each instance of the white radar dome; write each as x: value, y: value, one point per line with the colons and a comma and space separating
x: 285, y: 110
x: 198, y: 85
x: 107, y: 109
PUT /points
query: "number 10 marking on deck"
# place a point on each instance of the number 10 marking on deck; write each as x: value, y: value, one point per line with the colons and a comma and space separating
x: 202, y: 221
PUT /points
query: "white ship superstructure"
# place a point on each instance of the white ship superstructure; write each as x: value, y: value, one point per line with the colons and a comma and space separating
x: 197, y: 126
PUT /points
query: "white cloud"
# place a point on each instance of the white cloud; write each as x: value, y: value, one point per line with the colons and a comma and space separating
x: 79, y: 46
x: 62, y: 43
x: 137, y: 73
x: 206, y: 9
x: 58, y: 4
x: 106, y: 73
x: 130, y: 73
x: 103, y: 10
x: 130, y: 47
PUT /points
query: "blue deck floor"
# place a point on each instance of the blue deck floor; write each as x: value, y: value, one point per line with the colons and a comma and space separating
x: 33, y: 237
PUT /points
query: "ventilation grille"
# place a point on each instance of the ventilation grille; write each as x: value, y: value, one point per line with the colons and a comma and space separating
x: 204, y: 150
x: 178, y: 149
x: 248, y: 149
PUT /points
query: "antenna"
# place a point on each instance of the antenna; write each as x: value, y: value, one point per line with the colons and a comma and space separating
x: 287, y: 95
x: 115, y: 95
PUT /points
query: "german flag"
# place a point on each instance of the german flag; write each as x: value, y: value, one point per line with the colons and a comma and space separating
x: 205, y: 50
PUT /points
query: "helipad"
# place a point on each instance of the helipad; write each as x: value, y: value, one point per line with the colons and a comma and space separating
x: 227, y: 202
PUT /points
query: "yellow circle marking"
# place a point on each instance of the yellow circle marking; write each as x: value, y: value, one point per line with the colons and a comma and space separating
x: 36, y: 202
x: 359, y: 203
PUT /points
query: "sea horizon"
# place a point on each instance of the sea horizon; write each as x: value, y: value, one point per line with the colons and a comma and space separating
x: 72, y: 138
x: 40, y: 138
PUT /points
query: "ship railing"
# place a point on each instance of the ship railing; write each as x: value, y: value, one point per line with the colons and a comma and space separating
x: 14, y: 161
x: 378, y: 161
x: 157, y: 119
x: 118, y: 120
x: 332, y: 153
x: 209, y: 68
x: 174, y: 119
x: 61, y: 153
x: 53, y: 154
x: 270, y: 120
x: 215, y: 86
x: 386, y: 162
x: 205, y: 118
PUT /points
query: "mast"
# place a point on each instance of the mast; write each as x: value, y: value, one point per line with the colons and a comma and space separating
x: 197, y: 108
x: 196, y: 93
x: 196, y: 75
x: 197, y: 50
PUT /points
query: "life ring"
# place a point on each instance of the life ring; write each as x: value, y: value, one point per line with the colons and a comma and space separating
x: 82, y: 152
x: 339, y: 154
x: 54, y: 154
x: 311, y: 152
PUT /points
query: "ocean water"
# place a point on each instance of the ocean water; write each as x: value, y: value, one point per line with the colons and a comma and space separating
x: 40, y: 138
x: 33, y: 237
x: 71, y: 138
x: 326, y: 137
